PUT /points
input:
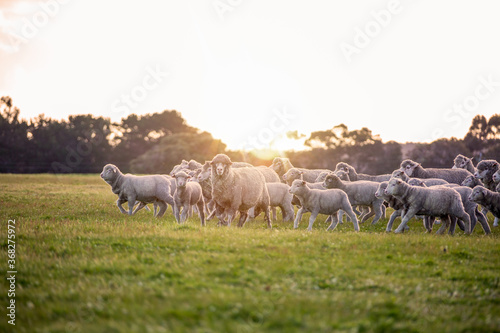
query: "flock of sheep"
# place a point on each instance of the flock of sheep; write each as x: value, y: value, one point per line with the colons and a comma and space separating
x: 222, y: 188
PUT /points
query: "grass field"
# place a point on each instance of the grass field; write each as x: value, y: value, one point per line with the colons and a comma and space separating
x: 82, y: 266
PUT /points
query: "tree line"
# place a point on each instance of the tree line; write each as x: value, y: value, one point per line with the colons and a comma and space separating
x: 154, y: 143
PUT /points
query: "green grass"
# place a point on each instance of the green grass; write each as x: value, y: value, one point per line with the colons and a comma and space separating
x: 85, y: 267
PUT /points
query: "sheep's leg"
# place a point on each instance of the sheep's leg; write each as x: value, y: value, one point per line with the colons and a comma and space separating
x: 341, y: 216
x: 119, y: 203
x: 201, y: 212
x: 177, y: 213
x: 453, y: 225
x: 407, y: 217
x: 429, y: 223
x: 351, y: 214
x: 243, y: 218
x: 163, y: 208
x: 384, y: 211
x: 445, y: 224
x: 273, y: 209
x: 298, y: 218
x: 355, y: 210
x: 139, y: 207
x: 482, y: 220
x: 156, y: 208
x: 186, y: 209
x: 131, y: 203
x: 395, y: 214
x: 312, y: 218
x: 335, y: 222
x: 467, y: 224
x: 377, y: 208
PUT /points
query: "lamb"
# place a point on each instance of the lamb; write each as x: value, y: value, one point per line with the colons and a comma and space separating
x: 354, y: 176
x: 485, y: 171
x: 470, y: 208
x: 281, y: 165
x: 415, y: 170
x: 471, y: 181
x: 147, y: 189
x: 393, y: 202
x: 462, y: 162
x: 327, y: 202
x: 187, y: 194
x: 436, y: 201
x: 359, y: 193
x: 237, y: 189
x: 400, y: 174
x: 280, y: 197
x: 488, y: 199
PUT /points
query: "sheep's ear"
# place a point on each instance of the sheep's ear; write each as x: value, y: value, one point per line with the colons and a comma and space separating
x: 303, y: 182
x: 173, y: 175
x: 472, y: 158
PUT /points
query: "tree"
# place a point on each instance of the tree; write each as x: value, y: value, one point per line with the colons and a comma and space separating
x: 440, y: 153
x: 172, y: 149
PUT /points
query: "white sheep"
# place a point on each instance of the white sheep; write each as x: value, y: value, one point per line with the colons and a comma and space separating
x: 463, y: 162
x: 488, y: 199
x: 354, y: 176
x: 237, y: 190
x: 279, y: 197
x: 452, y: 176
x: 129, y: 188
x: 436, y: 201
x: 187, y: 194
x: 361, y: 193
x: 327, y: 202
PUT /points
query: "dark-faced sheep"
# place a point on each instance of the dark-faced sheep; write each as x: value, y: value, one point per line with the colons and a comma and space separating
x: 452, y: 176
x: 462, y: 162
x: 237, y: 189
x: 436, y: 201
x: 146, y: 189
x: 327, y: 202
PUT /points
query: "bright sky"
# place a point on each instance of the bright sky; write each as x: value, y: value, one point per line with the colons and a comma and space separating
x: 250, y: 71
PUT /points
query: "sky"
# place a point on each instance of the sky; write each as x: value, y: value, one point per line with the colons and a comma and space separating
x: 250, y: 71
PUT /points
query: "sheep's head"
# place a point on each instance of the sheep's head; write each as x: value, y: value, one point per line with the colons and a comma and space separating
x: 277, y: 165
x: 297, y: 186
x: 332, y: 181
x: 486, y: 169
x: 205, y: 172
x: 478, y: 194
x: 380, y: 190
x: 496, y: 176
x: 399, y: 174
x: 291, y: 175
x: 408, y: 167
x: 461, y: 162
x: 470, y: 181
x: 393, y: 185
x: 181, y: 179
x: 221, y: 164
x: 416, y: 182
x: 109, y: 172
x: 343, y: 175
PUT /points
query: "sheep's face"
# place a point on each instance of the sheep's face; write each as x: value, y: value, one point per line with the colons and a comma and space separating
x: 221, y: 164
x: 486, y: 169
x: 381, y: 188
x: 342, y: 167
x: 399, y: 174
x: 343, y: 175
x: 221, y: 169
x: 204, y: 174
x: 331, y: 181
x: 181, y: 179
x: 392, y: 186
x: 469, y: 181
x: 297, y: 186
x: 496, y: 176
x: 278, y: 166
x: 408, y: 167
x: 291, y: 175
x: 478, y: 194
x: 109, y: 172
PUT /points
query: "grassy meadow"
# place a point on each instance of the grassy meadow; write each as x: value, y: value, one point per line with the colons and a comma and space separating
x: 82, y: 266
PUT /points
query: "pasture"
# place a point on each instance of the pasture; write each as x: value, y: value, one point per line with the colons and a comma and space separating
x: 82, y: 266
